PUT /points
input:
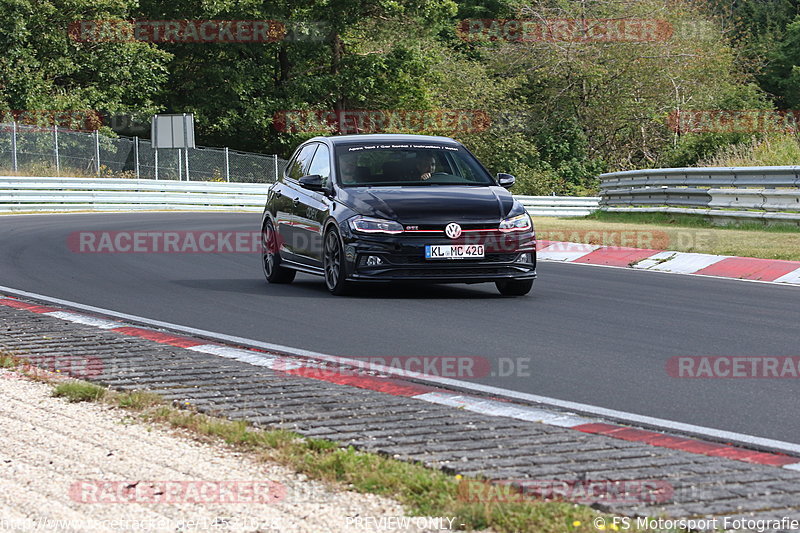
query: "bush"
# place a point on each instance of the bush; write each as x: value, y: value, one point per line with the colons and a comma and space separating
x: 772, y: 150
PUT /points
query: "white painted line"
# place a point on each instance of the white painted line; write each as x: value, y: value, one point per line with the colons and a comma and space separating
x: 793, y: 466
x: 245, y: 356
x: 565, y: 251
x: 584, y: 409
x: 86, y: 320
x: 684, y: 263
x: 791, y: 277
x: 508, y: 410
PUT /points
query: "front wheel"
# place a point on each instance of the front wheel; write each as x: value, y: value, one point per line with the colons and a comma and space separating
x: 271, y: 258
x: 334, y: 265
x: 514, y: 287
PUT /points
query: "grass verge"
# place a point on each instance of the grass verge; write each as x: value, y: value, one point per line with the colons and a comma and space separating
x: 8, y: 360
x: 422, y: 491
x: 690, y: 221
x: 680, y: 233
x: 77, y: 391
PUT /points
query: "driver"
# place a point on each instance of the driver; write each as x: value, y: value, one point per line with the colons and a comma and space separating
x: 425, y: 165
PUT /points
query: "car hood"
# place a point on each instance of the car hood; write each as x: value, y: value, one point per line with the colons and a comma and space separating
x: 428, y: 205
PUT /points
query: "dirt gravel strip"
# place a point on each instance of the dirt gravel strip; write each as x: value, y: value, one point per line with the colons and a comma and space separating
x: 53, y: 454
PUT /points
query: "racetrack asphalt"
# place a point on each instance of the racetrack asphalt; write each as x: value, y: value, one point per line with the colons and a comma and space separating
x: 599, y: 336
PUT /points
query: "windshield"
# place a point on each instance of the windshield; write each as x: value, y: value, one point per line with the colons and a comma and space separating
x: 392, y: 164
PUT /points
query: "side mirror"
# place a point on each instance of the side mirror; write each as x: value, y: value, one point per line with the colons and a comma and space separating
x: 505, y: 180
x: 312, y: 182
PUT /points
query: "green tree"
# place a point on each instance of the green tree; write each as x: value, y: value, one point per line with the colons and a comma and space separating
x: 759, y: 30
x: 42, y: 68
x: 359, y: 55
x: 782, y: 75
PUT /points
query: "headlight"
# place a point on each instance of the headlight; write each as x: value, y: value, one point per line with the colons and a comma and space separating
x: 518, y: 223
x: 374, y: 225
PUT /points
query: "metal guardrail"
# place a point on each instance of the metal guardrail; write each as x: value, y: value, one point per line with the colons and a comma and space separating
x: 108, y: 194
x: 45, y: 194
x: 559, y: 206
x: 739, y: 177
x: 727, y: 193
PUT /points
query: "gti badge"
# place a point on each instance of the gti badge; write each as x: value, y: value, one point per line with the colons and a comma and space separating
x: 452, y: 230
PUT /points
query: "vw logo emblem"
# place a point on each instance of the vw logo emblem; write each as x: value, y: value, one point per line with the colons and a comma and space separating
x: 452, y: 230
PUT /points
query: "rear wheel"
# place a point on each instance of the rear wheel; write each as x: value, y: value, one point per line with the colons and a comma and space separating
x: 514, y: 287
x: 271, y: 258
x: 334, y: 265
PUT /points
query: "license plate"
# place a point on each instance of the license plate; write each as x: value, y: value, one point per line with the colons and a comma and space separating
x: 454, y: 251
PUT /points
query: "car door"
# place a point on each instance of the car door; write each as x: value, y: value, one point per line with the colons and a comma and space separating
x: 288, y: 202
x: 314, y: 207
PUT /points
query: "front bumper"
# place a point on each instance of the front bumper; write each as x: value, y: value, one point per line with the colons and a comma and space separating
x: 507, y: 257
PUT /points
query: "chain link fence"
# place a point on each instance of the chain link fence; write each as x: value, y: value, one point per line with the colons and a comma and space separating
x: 54, y: 151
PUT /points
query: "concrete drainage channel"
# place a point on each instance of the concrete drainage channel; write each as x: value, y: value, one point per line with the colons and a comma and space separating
x: 383, y: 414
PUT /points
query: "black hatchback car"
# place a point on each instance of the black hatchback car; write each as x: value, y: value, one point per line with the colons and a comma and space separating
x: 395, y: 208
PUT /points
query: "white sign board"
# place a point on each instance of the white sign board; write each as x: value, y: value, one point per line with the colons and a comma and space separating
x: 172, y: 131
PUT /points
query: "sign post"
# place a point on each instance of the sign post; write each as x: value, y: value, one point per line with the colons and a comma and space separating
x: 174, y: 132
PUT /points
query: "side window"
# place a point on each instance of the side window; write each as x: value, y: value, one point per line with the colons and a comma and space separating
x: 302, y: 162
x: 322, y: 165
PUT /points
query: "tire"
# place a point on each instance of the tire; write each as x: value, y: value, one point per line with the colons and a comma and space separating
x: 514, y: 287
x: 334, y: 265
x: 271, y: 258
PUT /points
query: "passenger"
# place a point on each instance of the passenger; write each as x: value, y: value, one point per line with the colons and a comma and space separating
x: 349, y: 171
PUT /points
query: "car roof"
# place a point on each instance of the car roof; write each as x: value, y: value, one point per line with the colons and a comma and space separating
x: 384, y: 137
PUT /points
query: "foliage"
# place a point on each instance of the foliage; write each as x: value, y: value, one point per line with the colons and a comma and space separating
x: 782, y: 75
x: 43, y: 69
x: 561, y: 111
x: 773, y: 150
x: 79, y: 391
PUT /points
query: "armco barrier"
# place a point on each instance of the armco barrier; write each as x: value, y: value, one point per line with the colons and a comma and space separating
x: 559, y: 206
x: 733, y: 193
x: 109, y: 194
